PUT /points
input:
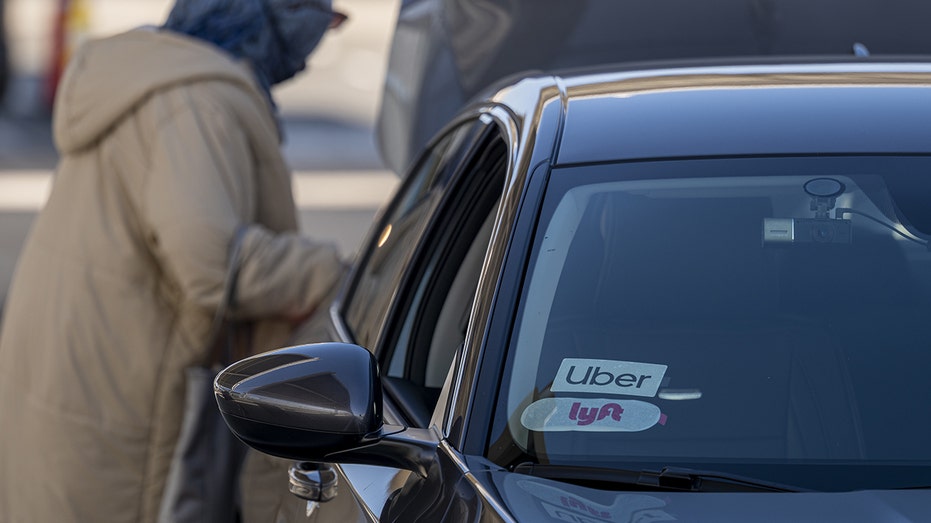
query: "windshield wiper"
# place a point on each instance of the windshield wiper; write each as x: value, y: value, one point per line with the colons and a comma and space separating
x: 669, y: 478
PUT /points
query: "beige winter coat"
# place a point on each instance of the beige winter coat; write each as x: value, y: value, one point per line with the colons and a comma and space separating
x: 167, y: 145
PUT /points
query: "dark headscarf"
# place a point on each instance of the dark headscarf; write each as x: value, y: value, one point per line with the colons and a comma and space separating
x: 275, y: 36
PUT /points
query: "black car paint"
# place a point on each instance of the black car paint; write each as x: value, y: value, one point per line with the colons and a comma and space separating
x: 725, y: 119
x: 258, y: 389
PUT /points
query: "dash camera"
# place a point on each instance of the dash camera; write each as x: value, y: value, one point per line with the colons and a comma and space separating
x: 806, y: 230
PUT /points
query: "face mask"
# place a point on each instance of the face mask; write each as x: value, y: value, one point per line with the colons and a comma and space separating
x: 295, y: 29
x: 275, y: 36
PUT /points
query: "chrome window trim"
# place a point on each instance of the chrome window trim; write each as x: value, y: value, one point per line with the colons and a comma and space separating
x: 516, y: 111
x: 504, y: 121
x: 336, y: 319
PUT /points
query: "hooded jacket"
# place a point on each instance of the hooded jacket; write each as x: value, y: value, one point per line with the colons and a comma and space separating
x: 167, y: 146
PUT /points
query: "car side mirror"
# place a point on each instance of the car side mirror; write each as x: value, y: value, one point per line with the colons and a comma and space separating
x: 319, y: 402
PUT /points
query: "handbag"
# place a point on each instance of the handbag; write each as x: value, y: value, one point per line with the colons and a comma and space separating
x: 202, y: 483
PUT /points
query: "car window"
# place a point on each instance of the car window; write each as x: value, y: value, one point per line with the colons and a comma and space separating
x: 764, y: 316
x: 432, y: 320
x: 396, y: 235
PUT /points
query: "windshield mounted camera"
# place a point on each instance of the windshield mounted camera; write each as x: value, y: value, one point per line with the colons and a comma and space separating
x: 820, y: 229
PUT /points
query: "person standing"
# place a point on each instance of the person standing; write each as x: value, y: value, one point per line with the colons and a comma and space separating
x: 169, y: 144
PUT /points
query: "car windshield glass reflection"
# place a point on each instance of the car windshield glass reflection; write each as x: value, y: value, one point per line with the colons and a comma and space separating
x: 761, y: 316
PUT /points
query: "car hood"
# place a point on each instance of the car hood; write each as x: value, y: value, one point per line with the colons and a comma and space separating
x: 445, y: 53
x: 529, y: 498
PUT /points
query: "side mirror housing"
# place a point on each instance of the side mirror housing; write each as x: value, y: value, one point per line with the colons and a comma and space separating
x: 302, y: 402
x: 319, y: 402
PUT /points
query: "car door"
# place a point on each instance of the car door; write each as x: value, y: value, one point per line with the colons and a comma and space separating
x: 410, y: 295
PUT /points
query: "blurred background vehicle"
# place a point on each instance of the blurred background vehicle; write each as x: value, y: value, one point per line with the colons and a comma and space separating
x: 445, y: 52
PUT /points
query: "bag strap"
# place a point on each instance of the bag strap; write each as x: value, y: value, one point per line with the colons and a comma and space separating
x: 222, y: 352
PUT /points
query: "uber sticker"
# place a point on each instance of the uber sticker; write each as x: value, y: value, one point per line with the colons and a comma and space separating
x: 608, y: 377
x: 591, y: 415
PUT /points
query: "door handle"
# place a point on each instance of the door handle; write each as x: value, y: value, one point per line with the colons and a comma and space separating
x: 314, y: 482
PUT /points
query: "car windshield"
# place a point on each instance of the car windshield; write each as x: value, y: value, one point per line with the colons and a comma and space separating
x: 761, y: 316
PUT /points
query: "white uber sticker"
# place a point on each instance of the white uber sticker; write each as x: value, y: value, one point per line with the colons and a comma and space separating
x: 591, y: 415
x: 608, y: 377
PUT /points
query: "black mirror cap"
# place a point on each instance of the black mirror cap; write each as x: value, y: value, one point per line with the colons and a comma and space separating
x: 303, y: 402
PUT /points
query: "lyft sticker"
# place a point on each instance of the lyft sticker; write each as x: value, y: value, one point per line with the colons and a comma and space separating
x: 591, y: 415
x: 608, y: 377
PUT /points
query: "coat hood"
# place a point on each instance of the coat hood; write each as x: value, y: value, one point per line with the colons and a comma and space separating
x: 108, y: 77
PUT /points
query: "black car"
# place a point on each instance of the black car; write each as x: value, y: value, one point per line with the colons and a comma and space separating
x: 690, y: 292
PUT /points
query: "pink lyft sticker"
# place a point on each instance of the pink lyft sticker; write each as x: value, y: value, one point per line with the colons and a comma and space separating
x: 591, y: 415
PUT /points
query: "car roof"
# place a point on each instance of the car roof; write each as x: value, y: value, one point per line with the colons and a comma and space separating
x: 728, y: 110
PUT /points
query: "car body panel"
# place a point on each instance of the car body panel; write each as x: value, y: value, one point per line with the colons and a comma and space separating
x: 450, y: 492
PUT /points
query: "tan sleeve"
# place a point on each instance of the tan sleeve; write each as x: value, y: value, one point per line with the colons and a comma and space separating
x: 196, y: 196
x: 284, y: 274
